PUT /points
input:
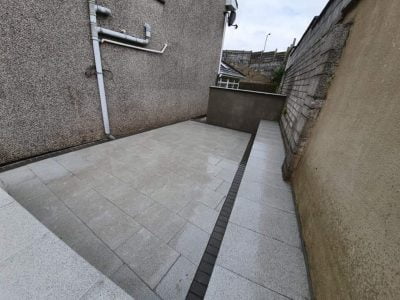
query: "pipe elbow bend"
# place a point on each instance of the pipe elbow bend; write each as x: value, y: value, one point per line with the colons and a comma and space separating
x: 103, y: 10
x: 147, y: 32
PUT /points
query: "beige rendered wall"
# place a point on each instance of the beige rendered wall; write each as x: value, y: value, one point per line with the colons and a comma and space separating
x: 347, y: 184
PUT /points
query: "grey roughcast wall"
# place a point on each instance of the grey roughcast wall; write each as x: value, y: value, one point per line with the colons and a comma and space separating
x: 243, y: 110
x: 49, y: 98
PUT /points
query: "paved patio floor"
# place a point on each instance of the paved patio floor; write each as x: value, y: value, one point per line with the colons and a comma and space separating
x: 139, y: 209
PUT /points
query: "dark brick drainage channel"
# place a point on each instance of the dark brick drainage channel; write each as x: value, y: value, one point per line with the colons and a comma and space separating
x: 204, y: 271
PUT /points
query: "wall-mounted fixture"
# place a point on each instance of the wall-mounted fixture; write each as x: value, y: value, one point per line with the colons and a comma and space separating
x: 231, y: 7
x: 95, y: 9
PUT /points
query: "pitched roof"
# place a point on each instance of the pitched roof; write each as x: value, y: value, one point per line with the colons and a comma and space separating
x: 229, y: 71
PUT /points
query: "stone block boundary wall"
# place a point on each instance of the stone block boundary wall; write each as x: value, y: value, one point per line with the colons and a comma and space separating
x: 265, y: 63
x: 309, y: 71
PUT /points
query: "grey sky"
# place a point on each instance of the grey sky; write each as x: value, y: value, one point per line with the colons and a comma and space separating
x: 284, y: 19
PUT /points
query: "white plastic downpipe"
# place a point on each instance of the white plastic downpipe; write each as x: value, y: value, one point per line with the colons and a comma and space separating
x: 226, y: 16
x: 93, y: 9
x: 95, y: 30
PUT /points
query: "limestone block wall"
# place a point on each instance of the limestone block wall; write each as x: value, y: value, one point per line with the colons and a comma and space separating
x: 309, y: 71
x: 237, y: 57
x: 266, y: 63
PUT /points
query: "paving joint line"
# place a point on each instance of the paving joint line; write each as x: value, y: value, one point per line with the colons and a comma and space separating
x: 265, y: 236
x: 256, y: 283
x: 166, y: 273
x: 98, y: 237
x: 269, y: 205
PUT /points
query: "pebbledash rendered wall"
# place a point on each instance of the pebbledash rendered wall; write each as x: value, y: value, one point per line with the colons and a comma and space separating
x: 49, y: 98
x: 242, y: 110
x: 309, y: 71
x: 347, y: 182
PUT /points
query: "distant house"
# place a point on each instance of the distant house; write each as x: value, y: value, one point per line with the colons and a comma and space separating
x: 229, y: 77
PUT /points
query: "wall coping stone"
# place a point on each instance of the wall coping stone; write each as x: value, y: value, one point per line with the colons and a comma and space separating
x: 247, y: 91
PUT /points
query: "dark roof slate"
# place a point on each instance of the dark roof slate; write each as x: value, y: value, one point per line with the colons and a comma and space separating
x: 229, y: 71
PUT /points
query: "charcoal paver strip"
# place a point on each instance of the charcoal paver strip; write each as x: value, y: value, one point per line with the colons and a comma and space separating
x: 203, y: 274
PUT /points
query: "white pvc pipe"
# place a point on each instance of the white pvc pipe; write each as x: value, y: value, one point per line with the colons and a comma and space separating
x: 100, y: 83
x: 135, y: 47
x: 95, y: 30
x: 93, y: 8
x: 223, y: 40
x: 123, y: 36
x: 103, y: 10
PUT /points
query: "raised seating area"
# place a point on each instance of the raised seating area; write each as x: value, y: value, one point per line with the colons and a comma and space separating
x: 261, y: 254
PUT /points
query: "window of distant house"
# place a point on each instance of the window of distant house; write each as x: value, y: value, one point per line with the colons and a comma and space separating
x: 228, y: 83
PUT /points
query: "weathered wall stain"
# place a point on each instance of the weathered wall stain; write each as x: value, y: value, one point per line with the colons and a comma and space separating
x: 347, y: 181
